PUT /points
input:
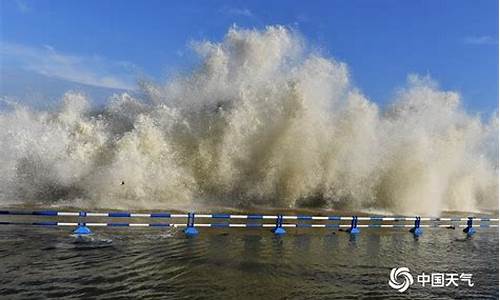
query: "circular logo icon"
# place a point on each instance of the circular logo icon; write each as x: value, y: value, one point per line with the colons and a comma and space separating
x: 400, y: 279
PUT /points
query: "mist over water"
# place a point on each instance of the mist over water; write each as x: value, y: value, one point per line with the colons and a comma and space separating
x: 263, y: 120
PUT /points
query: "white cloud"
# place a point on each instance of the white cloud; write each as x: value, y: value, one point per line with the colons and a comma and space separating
x: 480, y: 40
x: 90, y: 70
x: 22, y: 6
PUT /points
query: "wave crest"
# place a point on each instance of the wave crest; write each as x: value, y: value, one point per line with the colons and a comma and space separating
x: 263, y: 120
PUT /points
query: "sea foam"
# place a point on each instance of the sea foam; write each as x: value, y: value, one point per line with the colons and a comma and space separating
x: 262, y: 120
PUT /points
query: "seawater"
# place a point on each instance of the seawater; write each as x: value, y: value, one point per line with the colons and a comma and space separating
x: 158, y: 263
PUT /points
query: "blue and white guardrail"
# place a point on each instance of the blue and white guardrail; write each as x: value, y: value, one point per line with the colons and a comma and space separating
x: 278, y: 226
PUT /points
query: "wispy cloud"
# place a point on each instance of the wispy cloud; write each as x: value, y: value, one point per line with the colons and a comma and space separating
x: 90, y: 70
x: 233, y: 11
x: 22, y: 6
x: 480, y: 40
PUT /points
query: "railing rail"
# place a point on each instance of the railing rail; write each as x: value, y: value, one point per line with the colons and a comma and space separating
x: 119, y: 214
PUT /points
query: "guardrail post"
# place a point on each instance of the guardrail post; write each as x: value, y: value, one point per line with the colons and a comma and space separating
x: 190, y: 229
x: 469, y: 229
x: 417, y: 231
x: 82, y: 228
x: 279, y: 230
x: 354, y: 226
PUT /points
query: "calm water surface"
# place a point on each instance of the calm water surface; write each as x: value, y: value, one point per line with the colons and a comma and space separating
x: 133, y: 263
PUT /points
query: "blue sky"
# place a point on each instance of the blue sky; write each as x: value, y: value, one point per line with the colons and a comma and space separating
x: 109, y: 44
